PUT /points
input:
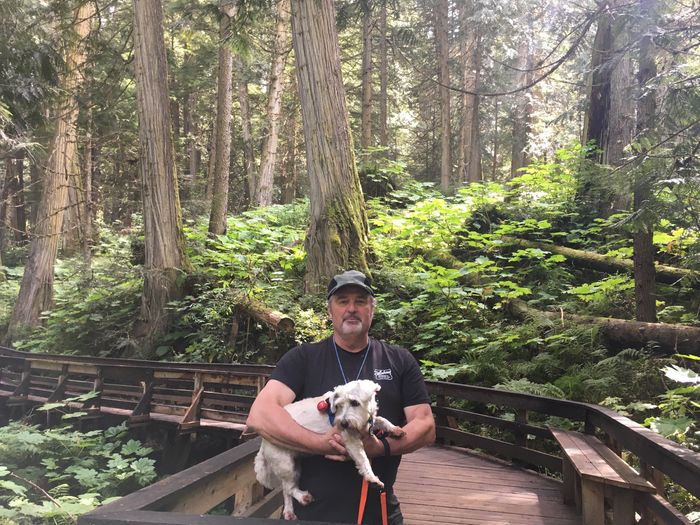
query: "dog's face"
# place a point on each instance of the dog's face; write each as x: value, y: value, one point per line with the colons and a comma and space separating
x: 355, y: 404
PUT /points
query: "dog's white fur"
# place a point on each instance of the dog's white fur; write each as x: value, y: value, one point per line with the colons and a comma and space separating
x: 355, y: 408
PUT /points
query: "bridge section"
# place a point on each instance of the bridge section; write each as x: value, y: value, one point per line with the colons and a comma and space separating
x: 437, y: 485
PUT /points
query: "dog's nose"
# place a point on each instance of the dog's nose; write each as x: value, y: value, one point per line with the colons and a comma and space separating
x: 344, y: 423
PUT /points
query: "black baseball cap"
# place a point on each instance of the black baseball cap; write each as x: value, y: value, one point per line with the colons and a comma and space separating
x: 350, y: 278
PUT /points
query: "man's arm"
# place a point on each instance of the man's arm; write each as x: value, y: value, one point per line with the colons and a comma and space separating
x: 419, y: 428
x: 268, y: 418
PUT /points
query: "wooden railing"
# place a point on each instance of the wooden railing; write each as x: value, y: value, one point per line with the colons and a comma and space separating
x: 190, y: 396
x: 520, y: 421
x: 508, y: 425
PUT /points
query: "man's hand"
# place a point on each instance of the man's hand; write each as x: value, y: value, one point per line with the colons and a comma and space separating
x: 335, y: 440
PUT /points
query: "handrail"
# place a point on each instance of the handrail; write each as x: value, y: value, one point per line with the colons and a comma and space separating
x: 515, y: 423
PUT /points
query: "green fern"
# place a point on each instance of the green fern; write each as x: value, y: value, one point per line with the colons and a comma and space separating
x: 527, y: 387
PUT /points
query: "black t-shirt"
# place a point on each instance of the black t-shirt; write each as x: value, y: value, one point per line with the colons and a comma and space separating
x: 311, y: 370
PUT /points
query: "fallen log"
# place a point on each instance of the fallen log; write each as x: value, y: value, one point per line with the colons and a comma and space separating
x: 276, y: 320
x: 622, y: 333
x: 249, y: 308
x: 595, y: 261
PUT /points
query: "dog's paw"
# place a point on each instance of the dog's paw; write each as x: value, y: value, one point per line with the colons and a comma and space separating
x: 304, y: 497
x: 375, y: 480
x: 289, y: 515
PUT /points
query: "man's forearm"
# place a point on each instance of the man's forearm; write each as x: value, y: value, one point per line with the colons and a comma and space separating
x: 279, y: 428
x: 420, y: 431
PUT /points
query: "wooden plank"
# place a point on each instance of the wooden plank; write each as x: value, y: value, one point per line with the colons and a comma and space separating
x: 592, y: 501
x: 503, y: 448
x: 661, y: 508
x: 594, y: 461
x: 267, y: 506
x: 492, y: 421
x: 447, y: 485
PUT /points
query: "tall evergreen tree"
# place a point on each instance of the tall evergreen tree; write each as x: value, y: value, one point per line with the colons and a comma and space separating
x: 36, y: 290
x: 338, y: 232
x: 164, y: 242
x: 222, y: 140
x: 268, y: 158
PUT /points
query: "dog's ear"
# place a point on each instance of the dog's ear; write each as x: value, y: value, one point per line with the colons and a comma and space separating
x: 333, y: 399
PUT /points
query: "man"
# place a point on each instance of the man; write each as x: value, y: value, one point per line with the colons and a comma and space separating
x: 311, y: 370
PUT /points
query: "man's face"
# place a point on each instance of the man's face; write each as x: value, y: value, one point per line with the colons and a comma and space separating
x: 351, y: 310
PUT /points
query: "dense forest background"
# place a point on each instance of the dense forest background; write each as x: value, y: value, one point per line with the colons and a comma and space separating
x: 179, y: 180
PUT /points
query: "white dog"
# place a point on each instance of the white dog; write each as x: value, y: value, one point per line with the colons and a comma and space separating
x: 352, y: 409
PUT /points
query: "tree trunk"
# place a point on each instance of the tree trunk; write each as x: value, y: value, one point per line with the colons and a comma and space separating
x: 443, y: 56
x: 19, y: 204
x: 192, y: 132
x: 36, y: 289
x: 246, y: 128
x: 470, y: 141
x: 494, y: 159
x: 165, y: 258
x: 338, y: 232
x: 13, y: 207
x: 596, y: 118
x: 268, y: 159
x: 367, y: 27
x: 595, y: 261
x: 623, y: 333
x: 72, y: 233
x: 34, y: 192
x: 609, y: 121
x: 288, y: 181
x: 219, y: 200
x: 383, y: 78
x: 522, y: 113
x: 276, y: 320
x: 5, y: 205
x: 644, y: 279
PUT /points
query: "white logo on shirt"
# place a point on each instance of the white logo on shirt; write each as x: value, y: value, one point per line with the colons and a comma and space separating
x: 382, y: 374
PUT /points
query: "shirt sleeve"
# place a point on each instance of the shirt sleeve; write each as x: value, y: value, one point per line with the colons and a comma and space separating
x: 413, y: 389
x: 290, y: 370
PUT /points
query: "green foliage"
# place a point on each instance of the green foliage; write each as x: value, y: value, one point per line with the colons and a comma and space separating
x: 528, y: 387
x: 53, y: 475
x: 94, y: 311
x: 679, y: 406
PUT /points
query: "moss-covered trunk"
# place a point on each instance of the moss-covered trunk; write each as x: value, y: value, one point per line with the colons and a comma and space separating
x: 338, y: 232
x: 164, y: 240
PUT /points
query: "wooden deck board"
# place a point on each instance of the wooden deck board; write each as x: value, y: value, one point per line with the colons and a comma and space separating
x: 447, y: 485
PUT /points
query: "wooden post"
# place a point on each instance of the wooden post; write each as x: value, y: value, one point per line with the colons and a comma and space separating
x: 521, y: 416
x: 592, y: 502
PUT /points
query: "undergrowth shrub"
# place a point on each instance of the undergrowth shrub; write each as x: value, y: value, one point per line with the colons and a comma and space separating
x: 53, y: 475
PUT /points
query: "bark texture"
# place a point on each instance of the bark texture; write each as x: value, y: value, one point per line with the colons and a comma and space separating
x: 288, y: 178
x: 469, y: 166
x: 338, y: 232
x: 609, y: 121
x: 443, y: 55
x: 268, y: 159
x: 36, y: 289
x: 644, y: 278
x: 219, y: 198
x: 383, y: 78
x: 165, y: 258
x: 367, y: 27
x: 246, y: 127
x: 522, y: 113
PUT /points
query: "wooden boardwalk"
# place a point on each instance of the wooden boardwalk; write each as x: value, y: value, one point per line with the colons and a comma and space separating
x: 446, y: 485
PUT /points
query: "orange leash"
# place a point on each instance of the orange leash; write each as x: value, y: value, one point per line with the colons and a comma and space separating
x: 363, y: 503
